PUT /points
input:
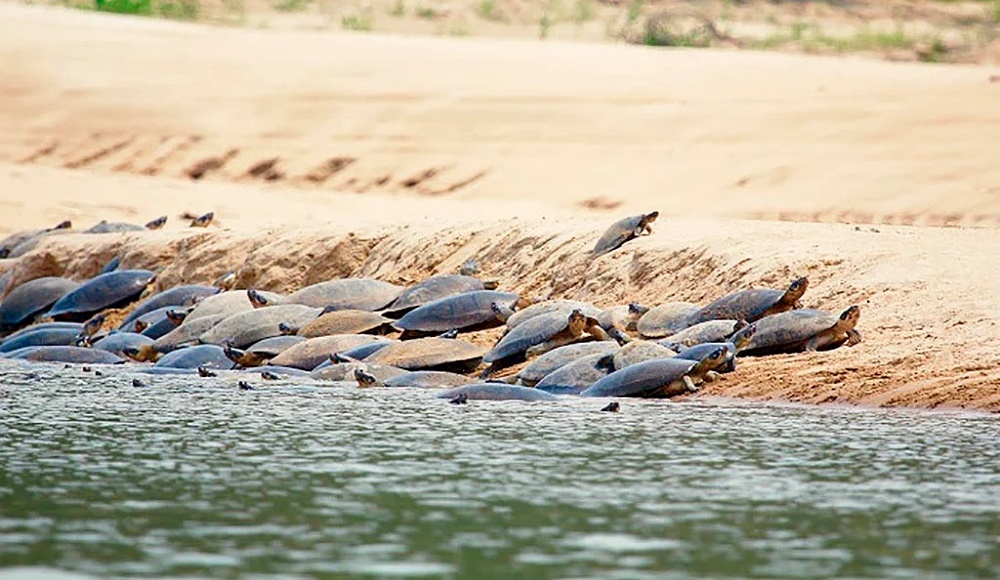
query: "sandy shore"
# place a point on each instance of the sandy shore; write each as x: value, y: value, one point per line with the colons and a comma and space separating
x: 331, y: 154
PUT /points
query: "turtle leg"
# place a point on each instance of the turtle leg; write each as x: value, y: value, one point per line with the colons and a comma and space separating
x: 597, y: 332
x: 853, y: 337
x: 711, y: 376
x: 691, y: 387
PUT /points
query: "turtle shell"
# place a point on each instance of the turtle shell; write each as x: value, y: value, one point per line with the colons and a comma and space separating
x: 431, y: 353
x: 309, y: 354
x: 70, y: 354
x: 559, y: 357
x: 577, y: 376
x: 227, y: 303
x: 788, y: 331
x: 41, y: 337
x: 461, y: 311
x: 344, y: 322
x: 188, y: 331
x: 192, y: 357
x: 245, y: 328
x: 533, y: 331
x: 345, y: 372
x: 272, y: 347
x: 666, y: 319
x: 497, y: 392
x: 30, y: 298
x: 106, y: 227
x: 111, y: 266
x: 700, y: 351
x: 146, y: 320
x: 177, y: 296
x: 651, y: 378
x: 116, y: 342
x: 431, y: 289
x: 110, y: 290
x: 33, y: 242
x: 428, y: 380
x: 620, y: 232
x: 708, y: 331
x: 282, y: 371
x: 550, y: 306
x: 347, y: 294
x: 640, y: 350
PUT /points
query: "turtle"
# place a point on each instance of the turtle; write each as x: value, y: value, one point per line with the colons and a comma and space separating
x: 203, y: 355
x: 25, y: 301
x: 111, y: 266
x: 111, y: 290
x: 496, y: 392
x: 228, y: 303
x: 541, y: 334
x: 514, y: 319
x: 347, y: 294
x: 184, y: 335
x: 68, y: 354
x: 5, y: 279
x: 656, y: 378
x: 577, y: 376
x: 245, y: 328
x: 344, y: 371
x: 431, y: 353
x: 277, y: 372
x: 640, y: 350
x: 432, y: 289
x: 623, y: 231
x: 666, y: 319
x: 117, y: 342
x: 106, y: 227
x: 708, y: 331
x: 202, y: 221
x: 612, y: 407
x: 753, y: 304
x: 414, y: 379
x: 737, y: 342
x: 14, y: 240
x: 363, y: 351
x: 156, y: 223
x: 41, y: 337
x: 310, y: 353
x: 466, y: 311
x: 804, y: 329
x: 178, y: 296
x: 559, y: 357
x: 262, y: 351
x: 343, y: 322
x: 141, y: 323
x: 77, y: 326
x: 623, y: 317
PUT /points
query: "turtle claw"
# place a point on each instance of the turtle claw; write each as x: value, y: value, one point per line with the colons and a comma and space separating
x: 691, y: 387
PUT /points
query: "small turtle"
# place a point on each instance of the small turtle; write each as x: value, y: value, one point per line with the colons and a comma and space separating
x: 157, y: 223
x: 203, y: 355
x: 430, y: 353
x: 347, y: 294
x: 612, y: 407
x: 177, y: 297
x: 205, y: 372
x: 577, y: 376
x: 309, y: 354
x: 41, y: 337
x: 343, y: 322
x: 541, y: 334
x: 245, y: 386
x: 14, y: 240
x: 111, y: 290
x: 738, y: 341
x: 515, y: 319
x: 638, y: 351
x: 466, y: 311
x: 25, y: 301
x: 461, y: 399
x: 245, y: 328
x: 68, y: 354
x: 434, y: 288
x: 270, y: 376
x: 202, y: 221
x: 708, y: 331
x: 804, y: 329
x: 753, y: 304
x: 623, y: 231
x: 623, y: 317
x: 496, y: 392
x: 228, y: 303
x: 117, y: 342
x: 262, y: 351
x: 559, y: 357
x: 666, y: 319
x: 656, y: 378
x: 344, y: 371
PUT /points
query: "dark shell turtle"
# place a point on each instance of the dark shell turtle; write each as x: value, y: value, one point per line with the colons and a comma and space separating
x: 577, y: 376
x: 17, y: 238
x: 422, y: 380
x: 543, y: 333
x: 117, y: 342
x: 262, y: 351
x: 804, y: 329
x: 515, y: 319
x: 666, y: 319
x: 753, y: 304
x: 141, y: 323
x: 345, y: 372
x: 245, y: 328
x: 69, y: 354
x: 204, y: 355
x: 365, y: 350
x: 111, y: 290
x: 737, y: 342
x: 344, y: 322
x: 33, y: 297
x: 41, y: 337
x: 202, y: 221
x: 432, y: 353
x: 656, y: 378
x: 111, y: 266
x: 466, y: 311
x: 708, y: 331
x: 434, y: 288
x: 106, y: 227
x: 347, y: 294
x: 559, y: 357
x: 77, y: 326
x: 178, y: 296
x: 227, y: 303
x: 638, y: 351
x: 309, y: 354
x: 496, y: 392
x: 623, y: 231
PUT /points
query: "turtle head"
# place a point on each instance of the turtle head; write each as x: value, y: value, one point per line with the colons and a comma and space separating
x: 337, y: 358
x: 650, y: 218
x: 139, y: 326
x: 620, y: 336
x: 177, y: 316
x: 849, y: 318
x: 205, y: 372
x: 203, y: 221
x: 82, y: 340
x: 287, y: 329
x: 225, y: 281
x: 234, y: 354
x: 364, y: 378
x: 491, y: 284
x: 742, y: 337
x: 63, y: 225
x: 577, y: 322
x: 92, y: 325
x: 635, y: 311
x: 795, y: 291
x: 157, y: 223
x: 713, y: 359
x: 145, y: 353
x: 256, y: 298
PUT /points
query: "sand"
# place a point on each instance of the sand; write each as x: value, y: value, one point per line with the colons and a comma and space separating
x: 335, y: 154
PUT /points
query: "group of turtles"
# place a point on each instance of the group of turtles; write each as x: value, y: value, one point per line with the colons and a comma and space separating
x: 453, y: 332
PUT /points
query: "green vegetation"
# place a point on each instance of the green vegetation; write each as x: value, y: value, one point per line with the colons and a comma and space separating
x: 426, y: 13
x: 487, y: 10
x: 172, y: 9
x: 291, y: 5
x: 398, y: 9
x: 357, y: 22
x: 584, y: 11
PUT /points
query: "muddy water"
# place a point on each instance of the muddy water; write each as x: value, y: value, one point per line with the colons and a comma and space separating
x: 195, y: 477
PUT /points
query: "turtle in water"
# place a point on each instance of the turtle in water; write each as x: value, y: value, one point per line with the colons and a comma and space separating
x: 560, y: 357
x: 117, y: 342
x: 309, y: 354
x: 414, y: 379
x: 261, y: 351
x: 33, y: 297
x: 496, y: 392
x: 41, y: 337
x: 738, y: 341
x: 342, y: 322
x: 753, y: 304
x: 202, y: 221
x: 16, y: 239
x: 344, y: 371
x: 708, y: 331
x: 68, y: 354
x: 623, y: 231
x: 666, y: 319
x: 465, y: 312
x: 431, y: 353
x: 541, y: 334
x: 202, y: 355
x: 111, y: 290
x: 656, y: 378
x: 577, y: 376
x: 804, y: 329
x: 434, y: 288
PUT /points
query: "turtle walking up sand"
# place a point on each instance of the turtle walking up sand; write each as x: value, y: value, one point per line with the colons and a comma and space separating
x: 804, y: 330
x: 623, y: 231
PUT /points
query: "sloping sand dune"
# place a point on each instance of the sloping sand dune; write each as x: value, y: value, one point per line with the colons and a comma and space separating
x: 327, y: 154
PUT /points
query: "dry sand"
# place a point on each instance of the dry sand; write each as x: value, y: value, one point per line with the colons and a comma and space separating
x: 332, y: 154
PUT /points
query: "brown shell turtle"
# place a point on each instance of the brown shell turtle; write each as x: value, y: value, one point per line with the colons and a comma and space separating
x: 432, y: 353
x: 624, y: 317
x: 753, y: 304
x: 638, y: 351
x: 247, y: 327
x: 623, y: 231
x: 309, y: 354
x: 666, y: 319
x: 413, y: 379
x: 804, y: 329
x: 513, y: 319
x: 343, y: 322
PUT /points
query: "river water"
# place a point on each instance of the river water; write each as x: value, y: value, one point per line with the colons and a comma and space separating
x: 191, y: 476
